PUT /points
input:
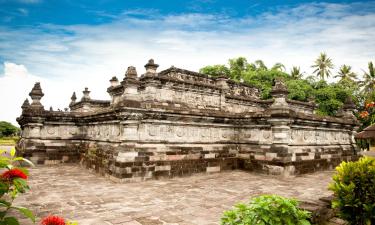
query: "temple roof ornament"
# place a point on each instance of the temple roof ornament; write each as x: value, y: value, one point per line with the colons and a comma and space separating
x: 279, y: 89
x: 36, y: 94
x: 25, y: 104
x: 114, y: 81
x: 349, y: 104
x: 74, y: 97
x: 151, y: 67
x: 86, y: 94
x: 131, y: 73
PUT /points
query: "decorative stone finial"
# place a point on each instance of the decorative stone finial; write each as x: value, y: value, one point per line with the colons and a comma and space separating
x: 25, y: 104
x: 74, y: 97
x: 279, y: 89
x: 221, y: 81
x: 151, y: 67
x: 349, y: 104
x: 347, y: 109
x: 86, y: 94
x: 36, y: 94
x: 131, y: 73
x: 279, y: 92
x: 114, y: 81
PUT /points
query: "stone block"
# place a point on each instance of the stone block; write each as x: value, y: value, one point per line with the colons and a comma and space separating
x: 163, y: 168
x: 210, y: 156
x: 213, y: 169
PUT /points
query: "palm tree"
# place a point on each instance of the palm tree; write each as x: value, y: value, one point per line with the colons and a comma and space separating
x: 323, y: 64
x: 278, y: 66
x: 295, y: 73
x: 346, y: 73
x: 368, y: 83
x: 259, y: 64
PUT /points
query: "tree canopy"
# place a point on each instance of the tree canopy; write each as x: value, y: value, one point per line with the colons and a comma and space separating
x: 8, y: 129
x: 330, y: 97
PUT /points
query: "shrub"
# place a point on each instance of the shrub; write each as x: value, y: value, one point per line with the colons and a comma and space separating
x: 354, y: 189
x: 267, y: 210
x: 13, y: 181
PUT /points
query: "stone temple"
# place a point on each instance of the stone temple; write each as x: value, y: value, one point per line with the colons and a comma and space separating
x: 178, y: 122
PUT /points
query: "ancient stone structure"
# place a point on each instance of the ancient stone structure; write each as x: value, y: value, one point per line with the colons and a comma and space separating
x: 177, y: 122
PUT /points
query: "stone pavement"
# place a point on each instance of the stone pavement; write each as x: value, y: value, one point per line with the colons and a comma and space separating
x: 77, y: 194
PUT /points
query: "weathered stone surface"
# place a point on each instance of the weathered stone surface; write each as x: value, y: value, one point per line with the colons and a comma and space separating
x: 189, y: 122
x: 71, y: 191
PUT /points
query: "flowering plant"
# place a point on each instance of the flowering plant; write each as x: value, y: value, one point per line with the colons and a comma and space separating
x: 13, y: 181
x: 367, y: 116
x: 55, y: 220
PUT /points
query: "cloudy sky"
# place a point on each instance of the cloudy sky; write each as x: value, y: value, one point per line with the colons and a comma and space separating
x: 72, y: 44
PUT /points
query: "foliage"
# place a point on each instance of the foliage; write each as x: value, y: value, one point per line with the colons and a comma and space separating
x: 295, y: 73
x: 8, y: 129
x: 345, y: 72
x: 267, y: 210
x: 354, y: 188
x: 12, y: 183
x: 299, y: 90
x: 368, y: 83
x: 322, y: 66
x: 9, y: 140
x: 330, y: 97
x: 215, y: 70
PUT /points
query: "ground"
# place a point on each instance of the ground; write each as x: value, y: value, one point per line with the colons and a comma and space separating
x: 83, y: 196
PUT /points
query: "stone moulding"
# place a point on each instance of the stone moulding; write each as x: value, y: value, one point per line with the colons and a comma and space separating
x: 178, y: 122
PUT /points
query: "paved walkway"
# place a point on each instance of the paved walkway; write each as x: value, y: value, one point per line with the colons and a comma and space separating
x: 80, y: 195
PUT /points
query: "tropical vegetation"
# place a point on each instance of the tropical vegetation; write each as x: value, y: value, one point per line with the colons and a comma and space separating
x: 354, y: 191
x: 330, y: 96
x: 267, y: 210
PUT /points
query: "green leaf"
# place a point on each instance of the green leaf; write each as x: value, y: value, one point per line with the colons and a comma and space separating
x: 4, y: 203
x: 11, y: 221
x: 26, y: 212
x: 23, y: 159
x: 12, y: 152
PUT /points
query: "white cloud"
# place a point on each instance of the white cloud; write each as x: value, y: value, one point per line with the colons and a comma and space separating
x: 68, y: 58
x: 15, y: 84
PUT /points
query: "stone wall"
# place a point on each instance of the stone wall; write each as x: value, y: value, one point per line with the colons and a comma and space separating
x: 179, y: 122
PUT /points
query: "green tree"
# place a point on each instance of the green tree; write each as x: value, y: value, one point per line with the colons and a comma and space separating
x: 7, y: 129
x: 215, y: 70
x: 295, y: 73
x: 368, y: 84
x: 346, y: 73
x: 237, y: 67
x: 299, y: 89
x: 279, y: 67
x: 259, y: 65
x: 323, y: 64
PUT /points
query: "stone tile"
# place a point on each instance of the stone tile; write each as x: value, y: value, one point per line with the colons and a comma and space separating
x: 79, y: 195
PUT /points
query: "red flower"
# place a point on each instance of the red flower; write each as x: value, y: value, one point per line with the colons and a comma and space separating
x: 14, y: 173
x: 53, y: 220
x: 370, y: 105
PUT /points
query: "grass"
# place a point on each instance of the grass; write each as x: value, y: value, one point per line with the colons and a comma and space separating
x: 8, y: 140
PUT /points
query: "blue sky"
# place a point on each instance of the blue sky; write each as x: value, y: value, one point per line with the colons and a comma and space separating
x: 35, y: 12
x: 68, y: 45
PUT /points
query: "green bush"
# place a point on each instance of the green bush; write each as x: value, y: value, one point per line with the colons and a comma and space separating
x: 354, y: 188
x: 267, y: 210
x: 8, y: 129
